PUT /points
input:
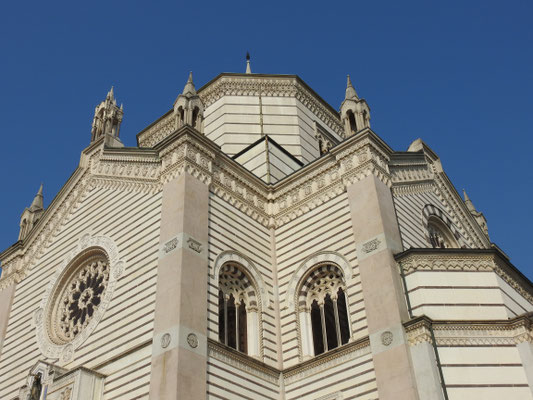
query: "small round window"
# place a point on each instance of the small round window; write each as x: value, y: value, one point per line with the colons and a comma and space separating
x: 78, y: 295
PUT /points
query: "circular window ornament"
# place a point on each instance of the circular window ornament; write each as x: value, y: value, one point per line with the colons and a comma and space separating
x: 77, y: 296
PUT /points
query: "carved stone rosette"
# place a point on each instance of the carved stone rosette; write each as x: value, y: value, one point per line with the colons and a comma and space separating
x: 77, y: 296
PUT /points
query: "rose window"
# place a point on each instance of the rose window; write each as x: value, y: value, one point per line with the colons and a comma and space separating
x: 80, y: 298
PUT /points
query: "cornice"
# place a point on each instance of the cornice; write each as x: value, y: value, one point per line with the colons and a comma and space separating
x: 470, y: 333
x: 340, y: 355
x: 271, y: 86
x: 445, y: 189
x: 248, y: 85
x: 16, y: 268
x: 242, y: 362
x: 186, y: 150
x: 482, y: 333
x: 473, y: 260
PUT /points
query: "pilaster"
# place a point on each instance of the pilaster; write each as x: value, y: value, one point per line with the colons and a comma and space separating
x: 179, y: 352
x: 377, y: 238
x: 7, y: 293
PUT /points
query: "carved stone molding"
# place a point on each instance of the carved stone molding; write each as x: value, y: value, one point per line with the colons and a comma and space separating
x: 479, y: 334
x: 16, y: 266
x: 463, y: 260
x: 232, y: 256
x: 331, y: 359
x: 158, y: 131
x: 446, y: 262
x: 242, y: 362
x: 320, y: 258
x: 47, y: 316
x: 271, y: 87
x: 419, y: 333
x: 413, y: 188
x: 449, y: 196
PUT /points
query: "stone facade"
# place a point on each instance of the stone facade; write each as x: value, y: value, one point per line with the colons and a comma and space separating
x: 258, y: 244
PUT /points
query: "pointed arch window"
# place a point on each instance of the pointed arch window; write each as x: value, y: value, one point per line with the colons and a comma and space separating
x: 351, y: 120
x: 323, y: 311
x: 238, y: 311
x: 440, y: 236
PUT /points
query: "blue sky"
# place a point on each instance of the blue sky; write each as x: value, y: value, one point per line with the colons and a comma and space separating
x: 458, y: 74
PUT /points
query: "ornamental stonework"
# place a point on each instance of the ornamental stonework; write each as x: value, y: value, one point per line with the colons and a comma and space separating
x: 77, y: 296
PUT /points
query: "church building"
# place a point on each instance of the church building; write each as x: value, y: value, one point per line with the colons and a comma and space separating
x: 259, y: 244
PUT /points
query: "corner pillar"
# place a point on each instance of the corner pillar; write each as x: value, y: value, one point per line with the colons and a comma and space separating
x: 377, y: 239
x: 6, y: 300
x: 179, y: 349
x: 525, y: 350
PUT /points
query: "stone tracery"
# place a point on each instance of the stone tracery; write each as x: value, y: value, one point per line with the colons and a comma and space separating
x: 81, y: 298
x: 238, y: 311
x: 323, y: 312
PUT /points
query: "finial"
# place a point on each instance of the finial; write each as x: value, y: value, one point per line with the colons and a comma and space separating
x: 248, y: 68
x: 37, y: 203
x: 468, y: 202
x: 111, y: 94
x: 189, y: 86
x: 350, y: 90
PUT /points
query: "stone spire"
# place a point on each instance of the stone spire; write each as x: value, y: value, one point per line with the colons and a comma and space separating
x: 468, y: 202
x: 189, y: 89
x: 37, y: 203
x: 188, y: 107
x: 355, y: 112
x: 248, y: 68
x: 478, y: 216
x: 107, y: 119
x: 30, y: 216
x: 351, y: 94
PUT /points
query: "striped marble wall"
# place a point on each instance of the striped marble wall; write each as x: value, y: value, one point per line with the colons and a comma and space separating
x: 117, y: 349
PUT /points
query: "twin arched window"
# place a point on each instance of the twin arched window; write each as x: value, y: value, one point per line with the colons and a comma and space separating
x: 238, y: 321
x: 323, y: 311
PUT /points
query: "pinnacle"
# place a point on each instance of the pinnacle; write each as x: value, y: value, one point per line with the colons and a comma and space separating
x: 468, y: 202
x: 37, y: 203
x: 350, y: 90
x: 189, y: 86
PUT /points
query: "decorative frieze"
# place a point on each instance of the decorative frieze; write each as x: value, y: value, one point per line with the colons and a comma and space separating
x: 158, y: 131
x: 331, y: 359
x: 474, y: 334
x: 289, y: 86
x: 242, y: 362
x: 419, y: 332
x: 463, y: 260
x: 446, y: 262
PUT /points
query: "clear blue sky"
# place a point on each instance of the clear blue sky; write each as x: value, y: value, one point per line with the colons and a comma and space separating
x: 458, y: 74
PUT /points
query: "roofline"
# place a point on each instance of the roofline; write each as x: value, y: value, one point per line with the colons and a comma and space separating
x: 283, y: 76
x: 244, y: 75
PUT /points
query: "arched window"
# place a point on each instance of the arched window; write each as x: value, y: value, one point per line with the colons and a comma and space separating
x: 238, y: 310
x: 181, y: 116
x: 323, y: 311
x: 195, y: 113
x: 351, y: 119
x: 440, y: 236
x: 365, y: 118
